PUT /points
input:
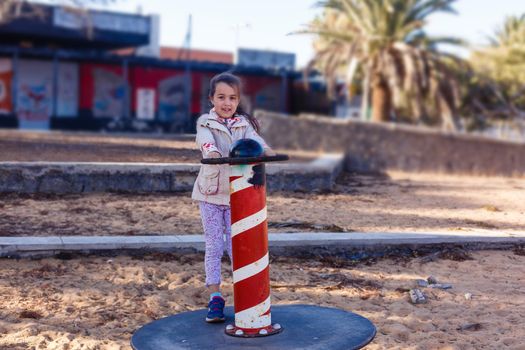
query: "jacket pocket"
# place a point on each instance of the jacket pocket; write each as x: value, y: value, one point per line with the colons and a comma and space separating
x: 208, y: 180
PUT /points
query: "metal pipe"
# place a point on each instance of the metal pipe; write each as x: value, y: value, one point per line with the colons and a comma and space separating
x: 14, y: 85
x: 251, y: 270
x: 55, y: 85
x: 126, y: 103
x: 249, y: 234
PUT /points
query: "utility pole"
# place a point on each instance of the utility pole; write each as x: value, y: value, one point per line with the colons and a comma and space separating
x: 237, y: 29
x: 185, y: 52
x: 186, y: 48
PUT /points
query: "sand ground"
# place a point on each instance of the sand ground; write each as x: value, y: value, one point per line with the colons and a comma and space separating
x: 396, y: 202
x: 96, y: 302
x: 392, y: 202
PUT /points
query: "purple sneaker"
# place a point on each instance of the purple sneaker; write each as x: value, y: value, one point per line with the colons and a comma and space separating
x: 215, y: 310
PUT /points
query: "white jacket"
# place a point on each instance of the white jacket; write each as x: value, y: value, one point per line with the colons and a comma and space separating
x: 212, y: 183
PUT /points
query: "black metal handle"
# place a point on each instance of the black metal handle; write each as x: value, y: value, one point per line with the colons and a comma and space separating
x: 246, y: 160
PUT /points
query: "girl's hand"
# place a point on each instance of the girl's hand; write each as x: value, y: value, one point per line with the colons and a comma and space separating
x: 214, y: 155
x: 269, y: 152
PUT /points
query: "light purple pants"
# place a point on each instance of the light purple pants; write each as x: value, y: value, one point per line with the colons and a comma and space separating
x: 216, y: 222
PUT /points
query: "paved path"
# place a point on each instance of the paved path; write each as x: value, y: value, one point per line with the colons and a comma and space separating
x: 372, y: 241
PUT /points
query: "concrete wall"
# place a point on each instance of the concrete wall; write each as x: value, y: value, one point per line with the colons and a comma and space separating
x: 63, y: 177
x: 371, y: 147
x: 49, y: 177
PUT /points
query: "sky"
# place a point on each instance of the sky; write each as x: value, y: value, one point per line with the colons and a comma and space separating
x: 266, y: 24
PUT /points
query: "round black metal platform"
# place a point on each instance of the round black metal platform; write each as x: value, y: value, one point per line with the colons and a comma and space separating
x: 304, y: 327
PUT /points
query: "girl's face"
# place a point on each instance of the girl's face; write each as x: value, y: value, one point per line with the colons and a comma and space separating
x: 225, y: 100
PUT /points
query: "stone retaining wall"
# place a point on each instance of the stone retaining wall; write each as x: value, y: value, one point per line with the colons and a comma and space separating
x: 55, y: 177
x: 371, y: 147
x: 63, y: 177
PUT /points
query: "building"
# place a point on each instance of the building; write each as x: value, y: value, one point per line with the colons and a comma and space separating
x: 92, y: 70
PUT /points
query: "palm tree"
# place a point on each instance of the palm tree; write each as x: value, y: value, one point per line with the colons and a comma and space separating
x: 512, y: 34
x: 12, y: 9
x: 384, y: 41
x: 501, y: 71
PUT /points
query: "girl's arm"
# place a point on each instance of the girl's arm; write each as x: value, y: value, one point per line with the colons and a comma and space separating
x: 206, y: 142
x: 252, y: 134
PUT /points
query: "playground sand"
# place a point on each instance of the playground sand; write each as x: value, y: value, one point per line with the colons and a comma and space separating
x: 396, y: 202
x: 98, y: 302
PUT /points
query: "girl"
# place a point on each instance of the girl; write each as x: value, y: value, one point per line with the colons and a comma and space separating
x: 226, y: 123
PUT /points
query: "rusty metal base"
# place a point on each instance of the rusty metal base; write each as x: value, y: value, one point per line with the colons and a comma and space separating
x: 304, y: 327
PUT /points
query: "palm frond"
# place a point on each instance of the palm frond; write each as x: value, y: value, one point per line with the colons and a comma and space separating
x: 386, y: 40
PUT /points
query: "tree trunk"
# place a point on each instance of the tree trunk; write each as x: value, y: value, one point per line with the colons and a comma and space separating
x: 366, y: 93
x: 381, y: 100
x: 449, y: 121
x: 447, y: 110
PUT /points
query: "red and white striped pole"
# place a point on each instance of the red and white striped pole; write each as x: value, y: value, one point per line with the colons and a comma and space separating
x: 251, y: 270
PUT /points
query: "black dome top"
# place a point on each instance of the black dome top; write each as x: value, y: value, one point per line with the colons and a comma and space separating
x: 246, y: 148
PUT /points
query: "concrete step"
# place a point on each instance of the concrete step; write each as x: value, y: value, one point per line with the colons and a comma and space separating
x: 81, y: 177
x: 279, y: 242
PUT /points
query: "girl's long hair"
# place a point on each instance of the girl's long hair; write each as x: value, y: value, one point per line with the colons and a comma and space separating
x: 235, y: 83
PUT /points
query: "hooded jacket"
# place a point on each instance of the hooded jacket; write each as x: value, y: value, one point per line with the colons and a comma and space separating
x: 213, y: 182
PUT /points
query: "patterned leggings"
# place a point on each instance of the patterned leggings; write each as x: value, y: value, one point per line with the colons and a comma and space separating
x: 216, y: 222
